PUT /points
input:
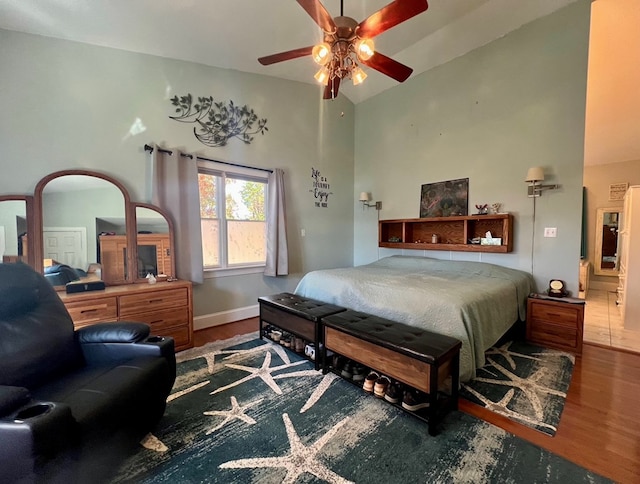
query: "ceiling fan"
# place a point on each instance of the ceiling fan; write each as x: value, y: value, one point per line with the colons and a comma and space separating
x: 348, y: 43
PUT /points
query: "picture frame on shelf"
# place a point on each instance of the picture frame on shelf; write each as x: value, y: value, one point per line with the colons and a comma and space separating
x: 445, y: 199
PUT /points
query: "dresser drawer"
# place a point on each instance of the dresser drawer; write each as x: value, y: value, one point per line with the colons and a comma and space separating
x: 133, y: 304
x: 181, y: 336
x: 161, y: 320
x: 93, y: 310
x: 557, y: 313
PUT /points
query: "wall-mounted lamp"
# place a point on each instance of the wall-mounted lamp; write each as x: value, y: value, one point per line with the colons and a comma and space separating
x: 365, y: 197
x: 535, y: 175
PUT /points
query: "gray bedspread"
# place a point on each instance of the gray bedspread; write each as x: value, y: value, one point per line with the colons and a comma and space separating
x: 475, y: 302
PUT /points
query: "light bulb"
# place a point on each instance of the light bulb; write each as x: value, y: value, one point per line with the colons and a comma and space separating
x: 364, y: 49
x: 322, y: 76
x: 321, y: 53
x: 358, y: 75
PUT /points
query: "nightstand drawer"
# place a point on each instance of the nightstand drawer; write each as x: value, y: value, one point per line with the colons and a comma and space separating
x: 554, y: 335
x: 554, y: 313
x: 103, y: 309
x: 557, y: 323
x: 133, y: 304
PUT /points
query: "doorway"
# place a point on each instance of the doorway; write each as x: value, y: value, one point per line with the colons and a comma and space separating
x: 66, y: 245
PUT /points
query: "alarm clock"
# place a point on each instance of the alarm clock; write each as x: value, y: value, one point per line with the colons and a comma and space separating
x: 557, y: 288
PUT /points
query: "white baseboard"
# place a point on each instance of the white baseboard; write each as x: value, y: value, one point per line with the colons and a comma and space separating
x: 224, y: 317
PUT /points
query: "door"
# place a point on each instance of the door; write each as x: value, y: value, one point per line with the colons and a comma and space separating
x: 66, y: 246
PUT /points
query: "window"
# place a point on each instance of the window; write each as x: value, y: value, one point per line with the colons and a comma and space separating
x: 233, y: 216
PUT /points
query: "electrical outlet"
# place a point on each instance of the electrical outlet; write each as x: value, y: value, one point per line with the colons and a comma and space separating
x: 550, y: 231
x: 303, y: 232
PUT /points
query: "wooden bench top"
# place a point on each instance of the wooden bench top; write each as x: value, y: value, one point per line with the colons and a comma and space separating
x: 417, y: 343
x: 304, y: 307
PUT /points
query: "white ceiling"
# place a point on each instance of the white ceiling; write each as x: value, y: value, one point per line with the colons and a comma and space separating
x: 234, y: 33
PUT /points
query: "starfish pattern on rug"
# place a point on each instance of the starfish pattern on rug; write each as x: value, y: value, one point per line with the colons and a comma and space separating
x: 300, y: 460
x: 264, y: 372
x: 190, y: 389
x: 320, y: 389
x: 507, y: 354
x: 210, y: 356
x: 529, y: 386
x: 152, y: 442
x: 502, y: 408
x: 237, y: 412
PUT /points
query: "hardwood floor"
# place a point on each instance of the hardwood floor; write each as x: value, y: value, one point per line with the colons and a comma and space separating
x: 600, y: 425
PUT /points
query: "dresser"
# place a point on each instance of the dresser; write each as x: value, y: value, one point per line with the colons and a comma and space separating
x: 629, y: 269
x: 166, y: 306
x: 555, y: 322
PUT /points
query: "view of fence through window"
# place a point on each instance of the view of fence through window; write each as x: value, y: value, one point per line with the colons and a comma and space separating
x: 233, y: 217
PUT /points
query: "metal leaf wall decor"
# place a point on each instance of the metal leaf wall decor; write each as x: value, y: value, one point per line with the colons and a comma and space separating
x: 217, y: 122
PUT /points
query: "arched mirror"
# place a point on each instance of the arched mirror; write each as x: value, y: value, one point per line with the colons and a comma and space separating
x: 606, y: 248
x: 82, y: 225
x: 16, y: 220
x: 154, y: 236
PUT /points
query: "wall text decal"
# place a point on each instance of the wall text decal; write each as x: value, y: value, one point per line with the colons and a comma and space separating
x: 217, y: 122
x: 320, y: 188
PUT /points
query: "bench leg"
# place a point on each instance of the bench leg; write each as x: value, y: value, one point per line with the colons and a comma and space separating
x: 455, y: 380
x: 433, y: 399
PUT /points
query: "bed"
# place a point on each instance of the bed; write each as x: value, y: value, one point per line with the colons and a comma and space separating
x: 475, y: 302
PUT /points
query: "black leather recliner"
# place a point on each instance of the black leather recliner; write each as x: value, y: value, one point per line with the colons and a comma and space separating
x: 68, y: 397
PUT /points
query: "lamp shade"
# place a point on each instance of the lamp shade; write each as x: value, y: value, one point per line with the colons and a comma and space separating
x: 535, y: 174
x: 364, y: 197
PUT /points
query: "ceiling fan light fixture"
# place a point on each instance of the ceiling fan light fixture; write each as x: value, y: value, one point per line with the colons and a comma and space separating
x: 365, y: 49
x: 358, y: 75
x: 321, y: 53
x: 323, y: 75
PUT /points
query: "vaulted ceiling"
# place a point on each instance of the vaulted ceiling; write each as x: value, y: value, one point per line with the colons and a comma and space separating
x: 234, y: 33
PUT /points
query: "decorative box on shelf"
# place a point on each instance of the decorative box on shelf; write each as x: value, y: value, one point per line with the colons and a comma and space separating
x: 463, y: 233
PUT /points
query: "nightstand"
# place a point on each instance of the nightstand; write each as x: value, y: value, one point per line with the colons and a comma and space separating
x: 555, y: 322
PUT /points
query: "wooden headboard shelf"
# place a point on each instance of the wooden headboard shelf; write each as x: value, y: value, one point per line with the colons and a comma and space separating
x: 453, y: 233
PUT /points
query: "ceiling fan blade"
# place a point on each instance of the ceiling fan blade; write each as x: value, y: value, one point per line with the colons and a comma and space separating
x: 389, y: 16
x: 389, y: 67
x: 331, y: 90
x: 283, y: 56
x: 319, y: 14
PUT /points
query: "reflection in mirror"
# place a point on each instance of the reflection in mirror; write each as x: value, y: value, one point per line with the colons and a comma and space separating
x: 81, y: 212
x: 13, y: 231
x: 606, y: 249
x: 153, y: 243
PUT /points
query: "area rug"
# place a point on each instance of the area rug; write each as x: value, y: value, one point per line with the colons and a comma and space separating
x: 524, y: 382
x: 249, y: 411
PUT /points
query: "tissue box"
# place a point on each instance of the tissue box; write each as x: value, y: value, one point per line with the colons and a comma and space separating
x: 493, y: 241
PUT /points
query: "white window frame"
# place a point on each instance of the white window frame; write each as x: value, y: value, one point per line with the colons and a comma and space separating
x: 223, y: 170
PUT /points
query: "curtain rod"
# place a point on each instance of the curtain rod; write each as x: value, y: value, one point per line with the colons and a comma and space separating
x: 162, y: 150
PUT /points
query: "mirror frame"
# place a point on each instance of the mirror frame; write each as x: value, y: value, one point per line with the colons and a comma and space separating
x: 167, y: 217
x: 31, y: 235
x: 38, y: 218
x: 597, y: 254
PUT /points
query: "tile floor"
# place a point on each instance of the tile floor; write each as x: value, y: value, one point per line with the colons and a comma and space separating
x: 603, y: 325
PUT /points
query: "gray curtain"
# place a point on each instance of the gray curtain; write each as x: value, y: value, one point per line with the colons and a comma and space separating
x: 174, y: 186
x: 277, y: 251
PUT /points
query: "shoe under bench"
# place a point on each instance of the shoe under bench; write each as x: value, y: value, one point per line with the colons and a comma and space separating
x: 427, y: 361
x: 297, y: 315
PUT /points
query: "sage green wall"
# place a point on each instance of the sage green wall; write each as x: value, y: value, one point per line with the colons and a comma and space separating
x: 597, y: 180
x: 489, y: 115
x: 70, y: 105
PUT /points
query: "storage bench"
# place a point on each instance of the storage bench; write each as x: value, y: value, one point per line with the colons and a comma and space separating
x: 297, y: 315
x: 416, y: 357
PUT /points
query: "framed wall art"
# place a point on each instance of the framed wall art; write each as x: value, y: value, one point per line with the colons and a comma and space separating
x: 445, y: 199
